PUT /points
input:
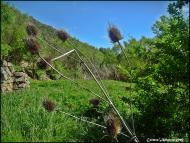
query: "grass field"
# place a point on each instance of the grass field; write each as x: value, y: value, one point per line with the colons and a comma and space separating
x: 23, y: 117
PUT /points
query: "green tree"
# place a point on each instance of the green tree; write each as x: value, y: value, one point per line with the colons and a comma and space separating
x: 162, y: 95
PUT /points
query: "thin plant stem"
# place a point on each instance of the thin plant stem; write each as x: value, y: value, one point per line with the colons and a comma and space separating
x: 88, y: 60
x: 126, y: 57
x: 56, y: 49
x: 102, y: 138
x: 107, y: 96
x: 71, y: 79
x: 65, y: 76
x: 79, y: 118
x: 104, y: 92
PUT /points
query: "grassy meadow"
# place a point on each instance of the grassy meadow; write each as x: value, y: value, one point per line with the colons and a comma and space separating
x: 25, y: 119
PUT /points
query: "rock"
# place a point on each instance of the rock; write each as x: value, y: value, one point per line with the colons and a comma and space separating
x: 3, y: 89
x: 20, y: 79
x: 11, y: 80
x: 9, y: 64
x: 23, y: 85
x: 7, y: 81
x: 8, y: 71
x: 7, y: 87
x: 4, y: 63
x: 4, y: 75
x: 20, y: 74
x: 11, y: 68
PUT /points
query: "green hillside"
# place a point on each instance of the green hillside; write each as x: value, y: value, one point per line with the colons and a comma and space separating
x: 33, y: 123
x: 150, y: 75
x: 13, y: 33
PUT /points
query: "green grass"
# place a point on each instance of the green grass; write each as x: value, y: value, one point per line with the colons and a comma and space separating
x: 24, y: 119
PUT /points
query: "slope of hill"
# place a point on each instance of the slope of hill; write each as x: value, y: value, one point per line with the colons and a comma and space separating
x: 13, y: 33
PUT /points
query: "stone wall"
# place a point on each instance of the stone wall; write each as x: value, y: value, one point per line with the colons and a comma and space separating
x: 11, y: 79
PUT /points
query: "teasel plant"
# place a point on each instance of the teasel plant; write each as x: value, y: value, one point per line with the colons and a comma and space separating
x: 95, y: 102
x: 63, y: 35
x: 31, y: 29
x: 106, y: 98
x: 115, y: 37
x: 42, y: 65
x: 48, y: 105
x: 113, y: 125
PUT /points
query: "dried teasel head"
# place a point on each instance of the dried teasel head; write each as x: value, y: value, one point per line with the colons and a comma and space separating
x: 42, y: 64
x: 48, y: 105
x: 95, y: 102
x: 114, y: 33
x: 113, y: 125
x: 33, y: 45
x: 31, y: 29
x: 63, y: 35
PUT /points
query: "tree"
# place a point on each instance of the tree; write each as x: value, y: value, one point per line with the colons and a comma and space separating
x: 162, y: 95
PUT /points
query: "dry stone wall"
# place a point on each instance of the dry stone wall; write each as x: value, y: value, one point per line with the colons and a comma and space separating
x: 11, y: 79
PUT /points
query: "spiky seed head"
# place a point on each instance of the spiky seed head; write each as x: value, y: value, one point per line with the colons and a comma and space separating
x: 31, y: 29
x: 63, y: 35
x: 32, y: 45
x: 48, y: 105
x: 95, y: 102
x: 114, y: 33
x: 42, y: 64
x: 113, y: 125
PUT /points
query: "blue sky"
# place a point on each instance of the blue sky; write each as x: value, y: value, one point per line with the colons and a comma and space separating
x: 88, y: 20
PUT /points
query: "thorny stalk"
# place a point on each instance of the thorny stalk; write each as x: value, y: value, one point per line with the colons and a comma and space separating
x: 80, y: 85
x: 71, y: 79
x: 69, y: 113
x: 88, y: 60
x: 103, y: 90
x: 108, y: 98
x: 79, y: 118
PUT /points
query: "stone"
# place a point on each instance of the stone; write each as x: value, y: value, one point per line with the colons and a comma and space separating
x: 4, y: 75
x: 20, y: 79
x: 8, y: 71
x: 9, y: 64
x: 3, y: 70
x: 7, y: 81
x: 4, y: 63
x: 11, y: 80
x: 7, y: 87
x: 12, y: 70
x: 23, y: 85
x: 3, y: 89
x: 20, y: 74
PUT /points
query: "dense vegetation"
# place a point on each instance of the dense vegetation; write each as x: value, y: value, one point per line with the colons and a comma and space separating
x: 25, y: 119
x: 159, y: 68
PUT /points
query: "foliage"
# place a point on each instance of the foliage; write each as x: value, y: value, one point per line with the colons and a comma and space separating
x: 162, y: 94
x: 33, y: 123
x: 160, y: 75
x: 13, y: 33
